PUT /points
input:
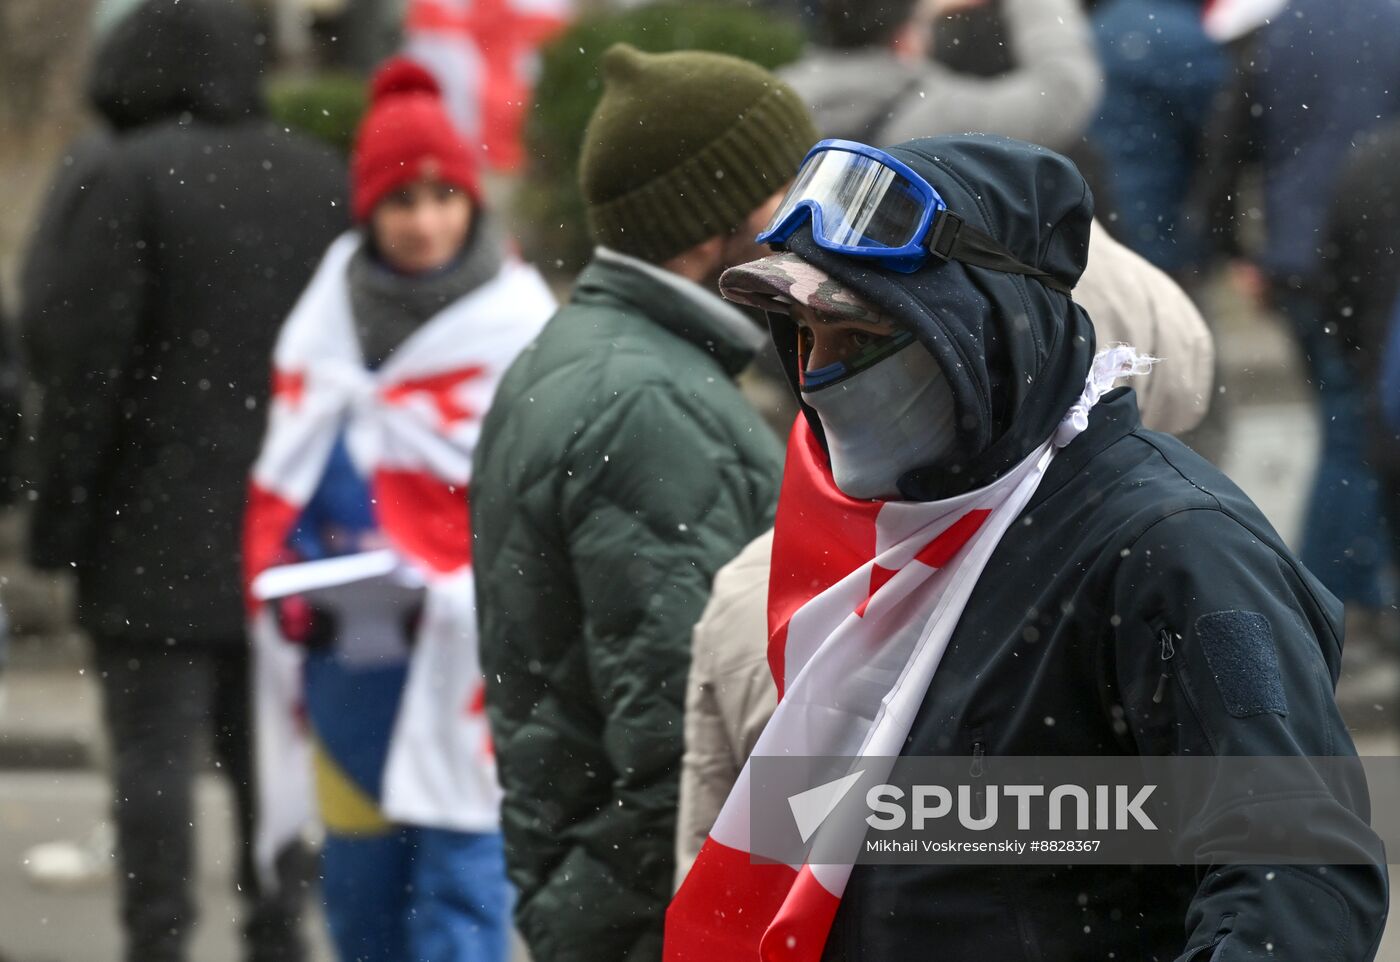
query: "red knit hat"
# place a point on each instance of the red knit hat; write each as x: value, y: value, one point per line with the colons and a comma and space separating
x: 406, y: 135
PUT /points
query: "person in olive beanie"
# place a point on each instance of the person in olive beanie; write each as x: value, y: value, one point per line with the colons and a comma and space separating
x: 669, y: 164
x: 618, y: 468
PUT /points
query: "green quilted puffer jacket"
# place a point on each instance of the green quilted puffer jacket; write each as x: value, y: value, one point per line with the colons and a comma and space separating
x: 618, y: 469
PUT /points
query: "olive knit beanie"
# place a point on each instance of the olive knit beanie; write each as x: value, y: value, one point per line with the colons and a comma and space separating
x: 684, y: 147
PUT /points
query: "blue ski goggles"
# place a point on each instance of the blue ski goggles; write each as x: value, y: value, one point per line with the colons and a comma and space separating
x: 864, y: 203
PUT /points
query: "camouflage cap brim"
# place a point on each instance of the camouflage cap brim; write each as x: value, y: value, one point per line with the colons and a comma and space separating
x: 776, y: 282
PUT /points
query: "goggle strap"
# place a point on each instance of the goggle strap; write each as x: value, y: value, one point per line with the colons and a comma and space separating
x: 952, y: 239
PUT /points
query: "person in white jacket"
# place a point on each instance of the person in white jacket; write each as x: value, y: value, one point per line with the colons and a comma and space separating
x: 869, y: 77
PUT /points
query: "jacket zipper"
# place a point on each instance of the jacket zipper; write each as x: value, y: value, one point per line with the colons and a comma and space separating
x: 1166, y: 640
x: 1207, y: 952
x: 1030, y: 946
x: 1167, y: 652
x: 976, y: 770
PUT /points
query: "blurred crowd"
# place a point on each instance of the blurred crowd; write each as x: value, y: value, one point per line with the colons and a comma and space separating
x: 465, y: 561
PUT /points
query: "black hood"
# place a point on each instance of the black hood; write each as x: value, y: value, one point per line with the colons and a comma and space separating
x: 1015, y: 352
x: 171, y: 57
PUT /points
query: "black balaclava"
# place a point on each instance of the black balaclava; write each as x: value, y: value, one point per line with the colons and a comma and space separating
x: 1015, y: 353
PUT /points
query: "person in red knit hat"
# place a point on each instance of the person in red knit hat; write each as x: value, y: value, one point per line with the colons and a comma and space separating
x: 382, y: 373
x: 412, y: 176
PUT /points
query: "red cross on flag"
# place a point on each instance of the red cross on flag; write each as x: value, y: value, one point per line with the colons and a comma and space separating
x: 484, y: 55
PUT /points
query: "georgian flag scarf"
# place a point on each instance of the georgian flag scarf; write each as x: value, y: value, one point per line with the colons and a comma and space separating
x: 863, y: 600
x: 410, y: 427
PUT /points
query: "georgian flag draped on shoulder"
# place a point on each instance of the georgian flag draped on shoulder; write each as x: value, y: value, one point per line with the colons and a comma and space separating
x: 410, y: 427
x: 863, y: 599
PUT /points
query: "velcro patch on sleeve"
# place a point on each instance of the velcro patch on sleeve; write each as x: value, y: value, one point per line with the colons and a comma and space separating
x: 1240, y: 650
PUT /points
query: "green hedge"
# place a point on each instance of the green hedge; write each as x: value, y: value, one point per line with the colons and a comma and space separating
x: 549, y: 210
x: 326, y: 106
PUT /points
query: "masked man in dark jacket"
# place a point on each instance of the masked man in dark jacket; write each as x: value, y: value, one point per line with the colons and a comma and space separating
x: 169, y: 252
x: 979, y: 551
x: 618, y: 468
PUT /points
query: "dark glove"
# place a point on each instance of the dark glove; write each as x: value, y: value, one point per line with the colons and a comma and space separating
x: 302, y: 623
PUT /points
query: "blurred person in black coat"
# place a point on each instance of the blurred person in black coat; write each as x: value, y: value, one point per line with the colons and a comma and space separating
x: 170, y: 249
x: 1358, y: 283
x: 9, y: 442
x: 1360, y: 274
x: 1305, y: 88
x: 10, y: 378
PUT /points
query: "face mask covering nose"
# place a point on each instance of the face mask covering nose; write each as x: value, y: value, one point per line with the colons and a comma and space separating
x: 884, y: 421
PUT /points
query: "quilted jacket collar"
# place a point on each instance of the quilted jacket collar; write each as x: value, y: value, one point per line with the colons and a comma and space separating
x: 674, y: 304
